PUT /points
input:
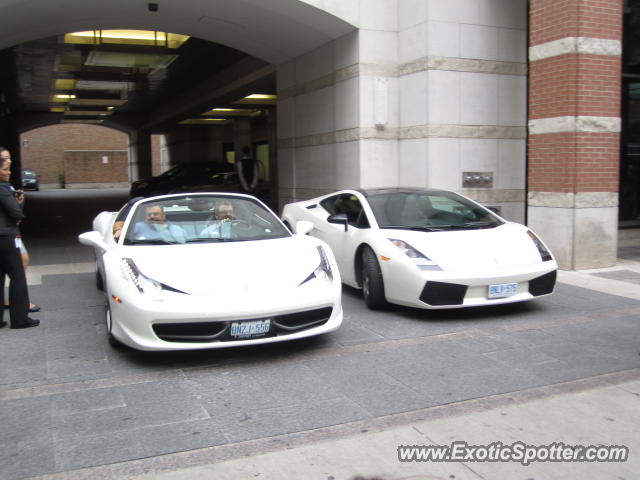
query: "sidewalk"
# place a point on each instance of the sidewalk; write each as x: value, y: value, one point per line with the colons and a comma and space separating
x: 601, y: 410
x: 593, y: 412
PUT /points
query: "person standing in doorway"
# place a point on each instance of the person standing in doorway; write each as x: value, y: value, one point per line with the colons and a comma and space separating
x: 247, y: 169
x: 10, y: 257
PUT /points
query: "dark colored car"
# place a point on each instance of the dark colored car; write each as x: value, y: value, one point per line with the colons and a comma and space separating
x: 226, y: 182
x: 30, y: 180
x: 181, y: 177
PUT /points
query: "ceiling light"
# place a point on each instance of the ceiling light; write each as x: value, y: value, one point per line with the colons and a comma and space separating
x: 65, y: 84
x: 127, y: 37
x: 103, y: 85
x: 62, y: 97
x: 258, y: 99
x: 129, y: 60
x: 230, y: 112
x: 103, y: 102
x: 262, y: 96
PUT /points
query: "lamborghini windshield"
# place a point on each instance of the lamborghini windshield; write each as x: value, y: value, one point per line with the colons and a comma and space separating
x: 430, y: 211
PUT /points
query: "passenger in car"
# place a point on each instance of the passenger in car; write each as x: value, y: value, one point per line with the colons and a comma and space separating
x: 220, y: 225
x: 156, y: 227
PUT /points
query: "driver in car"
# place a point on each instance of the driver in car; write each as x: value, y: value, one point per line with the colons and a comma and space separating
x: 220, y: 226
x: 156, y: 227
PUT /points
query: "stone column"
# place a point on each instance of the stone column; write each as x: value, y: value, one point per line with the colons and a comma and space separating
x: 574, y: 128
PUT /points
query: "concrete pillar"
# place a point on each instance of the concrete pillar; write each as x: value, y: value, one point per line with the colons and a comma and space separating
x: 273, y: 158
x: 140, y: 154
x: 574, y: 128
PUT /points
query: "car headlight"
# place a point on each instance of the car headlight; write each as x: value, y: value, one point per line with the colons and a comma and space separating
x: 322, y: 272
x: 144, y: 284
x: 544, y: 253
x: 419, y: 260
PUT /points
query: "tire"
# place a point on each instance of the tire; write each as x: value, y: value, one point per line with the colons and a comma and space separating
x: 108, y: 325
x: 372, y: 283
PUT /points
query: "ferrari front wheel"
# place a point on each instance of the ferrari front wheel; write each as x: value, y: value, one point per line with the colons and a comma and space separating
x: 372, y: 284
x: 108, y: 324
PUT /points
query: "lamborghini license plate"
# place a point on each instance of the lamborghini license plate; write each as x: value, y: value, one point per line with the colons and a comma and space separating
x: 502, y: 290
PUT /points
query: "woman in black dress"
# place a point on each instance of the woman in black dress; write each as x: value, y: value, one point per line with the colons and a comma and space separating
x: 10, y: 256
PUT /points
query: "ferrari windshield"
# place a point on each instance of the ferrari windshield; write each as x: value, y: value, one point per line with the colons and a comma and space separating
x: 429, y: 211
x: 201, y: 218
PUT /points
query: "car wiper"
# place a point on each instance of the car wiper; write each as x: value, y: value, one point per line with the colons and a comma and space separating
x: 479, y: 224
x: 151, y: 242
x: 423, y: 228
x: 210, y: 240
x: 463, y: 226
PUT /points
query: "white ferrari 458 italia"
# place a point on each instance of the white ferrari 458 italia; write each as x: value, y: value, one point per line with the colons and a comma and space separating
x: 427, y: 248
x: 203, y: 270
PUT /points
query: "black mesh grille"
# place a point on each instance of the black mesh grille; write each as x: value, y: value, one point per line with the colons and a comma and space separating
x: 543, y: 284
x: 441, y: 293
x: 190, y: 332
x: 302, y: 320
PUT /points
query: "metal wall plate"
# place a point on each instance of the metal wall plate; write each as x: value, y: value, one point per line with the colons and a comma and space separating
x: 477, y: 179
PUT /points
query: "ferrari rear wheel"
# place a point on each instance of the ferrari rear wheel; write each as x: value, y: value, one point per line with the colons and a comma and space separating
x: 372, y: 284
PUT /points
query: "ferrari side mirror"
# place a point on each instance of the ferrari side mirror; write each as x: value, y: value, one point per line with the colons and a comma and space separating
x: 339, y: 218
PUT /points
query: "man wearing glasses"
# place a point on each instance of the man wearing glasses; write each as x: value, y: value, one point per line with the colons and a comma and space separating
x: 220, y: 227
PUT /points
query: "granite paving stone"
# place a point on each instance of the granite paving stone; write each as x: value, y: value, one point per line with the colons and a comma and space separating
x: 105, y: 447
x: 268, y: 422
x: 86, y: 401
x: 145, y: 405
x: 26, y: 438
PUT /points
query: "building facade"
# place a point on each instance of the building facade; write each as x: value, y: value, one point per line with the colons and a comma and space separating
x: 514, y: 103
x: 519, y: 104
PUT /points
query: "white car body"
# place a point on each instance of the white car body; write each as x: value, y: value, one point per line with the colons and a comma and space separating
x: 198, y: 291
x: 461, y: 265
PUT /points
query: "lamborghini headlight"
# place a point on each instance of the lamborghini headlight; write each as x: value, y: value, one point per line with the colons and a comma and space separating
x: 544, y: 253
x: 322, y: 272
x: 419, y: 260
x: 144, y: 284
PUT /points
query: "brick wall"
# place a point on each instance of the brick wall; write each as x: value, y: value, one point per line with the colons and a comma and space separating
x: 96, y: 166
x: 574, y: 162
x: 577, y: 84
x: 555, y: 19
x: 43, y: 149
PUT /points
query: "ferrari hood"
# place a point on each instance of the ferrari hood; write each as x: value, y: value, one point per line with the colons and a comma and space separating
x: 484, y: 249
x: 266, y: 267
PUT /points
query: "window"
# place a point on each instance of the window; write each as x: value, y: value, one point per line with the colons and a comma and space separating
x: 348, y: 204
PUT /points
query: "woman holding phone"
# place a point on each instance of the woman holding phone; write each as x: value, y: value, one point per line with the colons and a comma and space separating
x: 10, y: 256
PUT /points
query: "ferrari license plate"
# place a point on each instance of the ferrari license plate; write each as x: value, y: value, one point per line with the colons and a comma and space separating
x: 255, y: 328
x: 502, y: 290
